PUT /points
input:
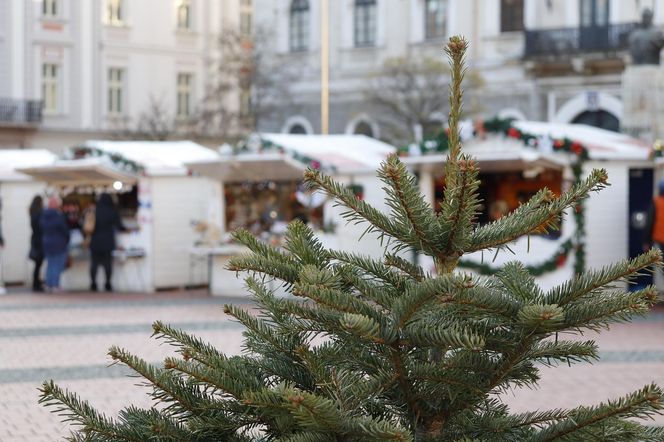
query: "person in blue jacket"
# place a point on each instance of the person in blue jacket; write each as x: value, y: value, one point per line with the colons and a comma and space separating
x: 55, y: 242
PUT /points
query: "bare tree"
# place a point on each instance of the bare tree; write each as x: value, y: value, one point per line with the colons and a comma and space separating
x: 410, y: 95
x: 247, y: 84
x: 155, y: 123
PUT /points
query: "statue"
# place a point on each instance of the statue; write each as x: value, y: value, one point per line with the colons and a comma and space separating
x: 646, y: 41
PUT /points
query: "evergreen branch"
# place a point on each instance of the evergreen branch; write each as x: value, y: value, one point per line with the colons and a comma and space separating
x: 379, y: 293
x: 534, y: 219
x: 278, y: 268
x: 359, y: 211
x: 423, y: 334
x: 567, y: 351
x: 456, y: 51
x: 151, y: 424
x: 335, y: 299
x: 605, y: 308
x: 518, y: 282
x: 183, y: 399
x: 302, y: 244
x: 258, y: 247
x: 372, y: 267
x: 410, y: 210
x: 415, y: 298
x: 457, y: 213
x: 593, y: 280
x: 641, y: 404
x: 413, y: 270
x: 189, y: 346
x: 79, y: 412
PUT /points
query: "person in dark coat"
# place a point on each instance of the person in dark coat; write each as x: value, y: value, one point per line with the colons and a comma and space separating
x: 36, y: 246
x: 55, y: 242
x: 102, y: 241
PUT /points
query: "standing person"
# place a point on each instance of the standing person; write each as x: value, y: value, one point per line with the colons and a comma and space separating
x: 36, y: 246
x: 55, y: 242
x: 102, y: 242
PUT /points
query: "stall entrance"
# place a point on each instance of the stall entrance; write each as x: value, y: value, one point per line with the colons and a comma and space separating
x: 267, y: 207
x: 502, y: 192
x: 640, y: 199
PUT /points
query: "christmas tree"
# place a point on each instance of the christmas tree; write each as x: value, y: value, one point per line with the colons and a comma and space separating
x: 379, y: 350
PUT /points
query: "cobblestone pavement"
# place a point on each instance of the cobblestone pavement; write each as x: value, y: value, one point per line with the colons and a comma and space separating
x: 65, y: 338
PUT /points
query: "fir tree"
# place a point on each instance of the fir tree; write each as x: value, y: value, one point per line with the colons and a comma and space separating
x: 379, y: 350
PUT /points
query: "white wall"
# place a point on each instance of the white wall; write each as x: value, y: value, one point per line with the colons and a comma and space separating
x: 176, y: 202
x: 607, y: 215
x: 16, y: 198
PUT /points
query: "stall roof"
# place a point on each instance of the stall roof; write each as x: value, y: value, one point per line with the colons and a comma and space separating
x: 601, y: 144
x: 345, y: 153
x: 13, y: 159
x: 87, y: 171
x: 338, y: 153
x: 494, y: 155
x: 156, y: 157
x: 250, y: 167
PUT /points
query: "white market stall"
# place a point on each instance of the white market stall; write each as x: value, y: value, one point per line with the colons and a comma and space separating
x: 263, y: 191
x: 159, y: 203
x: 16, y: 193
x: 517, y: 158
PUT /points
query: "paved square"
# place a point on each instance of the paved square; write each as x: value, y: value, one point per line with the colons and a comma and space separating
x: 65, y: 338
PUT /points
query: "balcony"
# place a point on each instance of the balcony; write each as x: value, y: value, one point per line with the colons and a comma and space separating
x: 21, y: 113
x: 568, y: 42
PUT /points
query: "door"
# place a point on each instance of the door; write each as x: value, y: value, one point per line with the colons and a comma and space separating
x: 640, y: 199
x: 594, y: 25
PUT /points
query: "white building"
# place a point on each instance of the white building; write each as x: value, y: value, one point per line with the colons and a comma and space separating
x: 553, y: 60
x: 98, y: 66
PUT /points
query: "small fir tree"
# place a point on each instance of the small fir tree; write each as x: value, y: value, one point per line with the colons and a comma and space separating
x: 379, y: 350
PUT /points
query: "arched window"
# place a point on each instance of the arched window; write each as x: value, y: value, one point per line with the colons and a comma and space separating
x: 297, y: 128
x: 435, y: 15
x: 363, y: 128
x: 365, y: 23
x: 299, y: 25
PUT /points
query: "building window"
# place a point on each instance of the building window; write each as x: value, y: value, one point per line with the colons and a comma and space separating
x: 50, y: 8
x: 50, y: 80
x: 363, y: 128
x: 594, y: 13
x: 511, y: 15
x: 115, y: 89
x: 299, y: 25
x: 246, y: 15
x: 365, y: 23
x: 297, y: 129
x: 184, y: 94
x: 434, y: 18
x: 184, y: 14
x: 114, y: 12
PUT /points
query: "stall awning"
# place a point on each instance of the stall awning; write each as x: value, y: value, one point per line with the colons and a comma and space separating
x: 250, y: 167
x: 78, y: 172
x: 494, y: 162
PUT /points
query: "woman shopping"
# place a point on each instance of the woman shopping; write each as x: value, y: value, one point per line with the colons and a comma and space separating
x: 55, y: 243
x: 102, y: 242
x: 36, y: 246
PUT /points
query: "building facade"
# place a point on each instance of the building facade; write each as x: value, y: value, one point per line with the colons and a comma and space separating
x: 549, y: 60
x: 71, y: 70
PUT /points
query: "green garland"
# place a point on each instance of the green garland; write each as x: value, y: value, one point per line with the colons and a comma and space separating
x: 555, y: 261
x: 122, y: 163
x: 268, y: 146
x: 440, y: 144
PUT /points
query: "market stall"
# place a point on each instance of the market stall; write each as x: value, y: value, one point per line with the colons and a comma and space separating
x: 16, y: 193
x: 263, y: 191
x: 517, y: 158
x: 160, y: 204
